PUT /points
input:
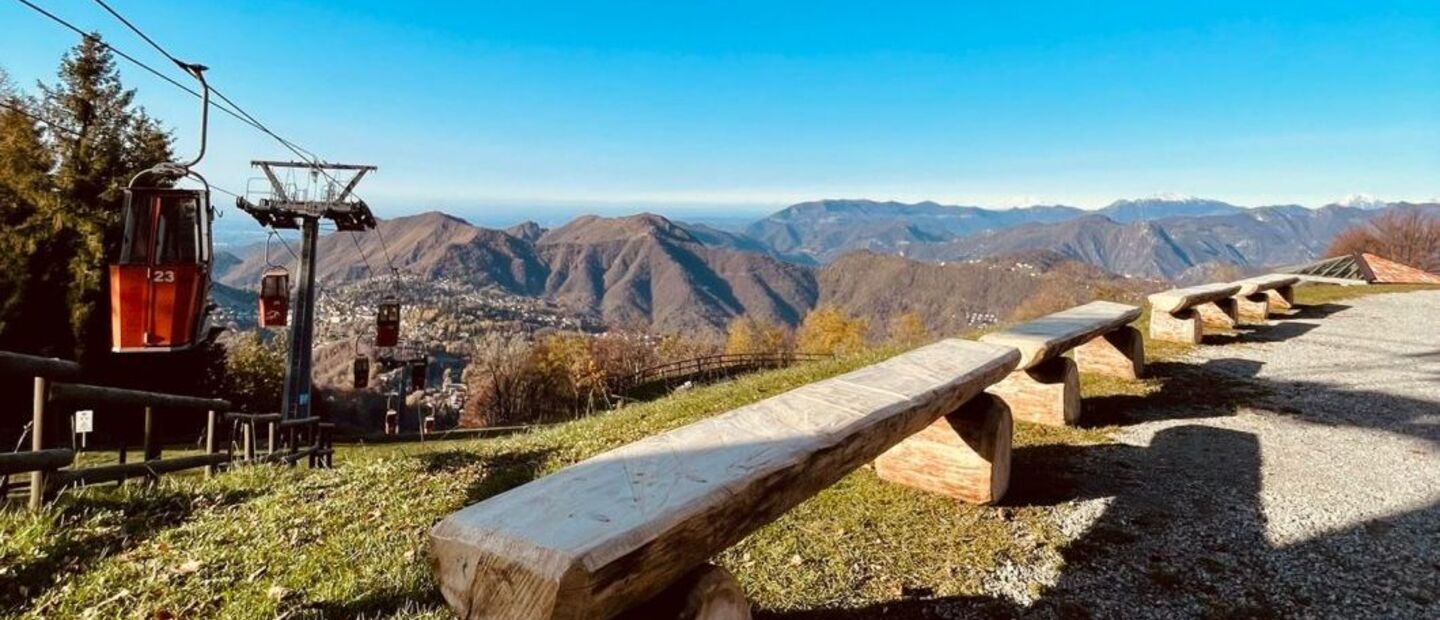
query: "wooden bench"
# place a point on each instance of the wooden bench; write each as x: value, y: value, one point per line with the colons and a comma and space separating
x: 607, y: 534
x: 1180, y: 315
x: 1045, y: 387
x: 1261, y: 296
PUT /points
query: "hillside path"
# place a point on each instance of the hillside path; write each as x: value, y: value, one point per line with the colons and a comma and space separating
x: 1293, y: 470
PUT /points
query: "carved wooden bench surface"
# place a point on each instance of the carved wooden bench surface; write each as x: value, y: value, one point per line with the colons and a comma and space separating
x: 1052, y: 335
x: 1045, y: 388
x: 1180, y: 299
x: 607, y: 533
x: 1260, y: 284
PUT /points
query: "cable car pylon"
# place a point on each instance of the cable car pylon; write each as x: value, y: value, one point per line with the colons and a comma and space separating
x: 287, y: 209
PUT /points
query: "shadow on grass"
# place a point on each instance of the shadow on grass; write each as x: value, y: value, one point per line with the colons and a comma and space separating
x: 386, y: 603
x: 73, y: 547
x: 1185, y: 391
x: 501, y: 472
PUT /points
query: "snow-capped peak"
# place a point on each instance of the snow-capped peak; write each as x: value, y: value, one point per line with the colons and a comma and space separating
x: 1173, y: 197
x: 1362, y: 201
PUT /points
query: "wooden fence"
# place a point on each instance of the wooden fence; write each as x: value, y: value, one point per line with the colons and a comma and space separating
x: 706, y: 368
x: 52, y: 468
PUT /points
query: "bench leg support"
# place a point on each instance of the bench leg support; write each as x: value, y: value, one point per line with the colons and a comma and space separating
x: 1119, y: 353
x: 706, y: 593
x: 1221, y: 314
x: 1183, y: 327
x: 1253, y: 309
x: 1281, y: 299
x: 964, y: 455
x: 1046, y: 394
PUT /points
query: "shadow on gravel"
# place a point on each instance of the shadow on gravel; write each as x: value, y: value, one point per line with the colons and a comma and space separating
x: 1317, y: 311
x: 1185, y: 533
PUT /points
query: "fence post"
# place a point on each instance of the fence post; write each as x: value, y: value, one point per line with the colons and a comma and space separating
x: 270, y: 440
x: 151, y: 451
x: 37, y: 441
x: 249, y: 429
x: 210, y: 440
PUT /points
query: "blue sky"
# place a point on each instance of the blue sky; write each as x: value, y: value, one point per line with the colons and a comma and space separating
x: 507, y: 111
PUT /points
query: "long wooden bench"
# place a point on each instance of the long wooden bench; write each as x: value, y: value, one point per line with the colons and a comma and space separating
x: 1261, y: 296
x: 606, y: 534
x: 1181, y: 315
x: 1045, y: 387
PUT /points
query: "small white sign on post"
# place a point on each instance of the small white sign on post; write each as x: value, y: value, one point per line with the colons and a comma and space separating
x: 85, y: 421
x: 84, y: 425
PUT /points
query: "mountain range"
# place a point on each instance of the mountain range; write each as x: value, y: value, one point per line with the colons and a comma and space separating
x: 876, y: 258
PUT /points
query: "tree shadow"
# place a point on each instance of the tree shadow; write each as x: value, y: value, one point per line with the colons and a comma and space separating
x: 507, y: 471
x: 73, y: 548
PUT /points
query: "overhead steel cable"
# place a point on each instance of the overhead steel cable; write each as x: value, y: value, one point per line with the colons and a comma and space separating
x: 356, y: 238
x: 254, y: 122
x: 32, y: 116
x: 137, y: 62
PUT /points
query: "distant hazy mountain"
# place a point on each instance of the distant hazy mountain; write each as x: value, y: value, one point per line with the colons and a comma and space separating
x: 1167, y: 248
x: 1166, y: 205
x: 1361, y: 201
x: 825, y: 229
x: 526, y: 231
x: 959, y: 296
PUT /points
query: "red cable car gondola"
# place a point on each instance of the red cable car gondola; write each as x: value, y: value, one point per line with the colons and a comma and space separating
x: 160, y: 282
x: 387, y: 323
x: 361, y: 369
x: 418, y: 371
x: 274, y: 298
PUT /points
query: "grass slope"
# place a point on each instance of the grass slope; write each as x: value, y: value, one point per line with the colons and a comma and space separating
x: 350, y: 542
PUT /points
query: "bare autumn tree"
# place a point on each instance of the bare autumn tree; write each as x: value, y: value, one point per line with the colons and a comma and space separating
x: 501, y: 388
x: 1408, y: 236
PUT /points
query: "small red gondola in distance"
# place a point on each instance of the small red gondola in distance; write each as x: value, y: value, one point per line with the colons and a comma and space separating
x: 274, y: 298
x: 160, y: 283
x: 361, y: 369
x: 418, y: 373
x: 387, y: 323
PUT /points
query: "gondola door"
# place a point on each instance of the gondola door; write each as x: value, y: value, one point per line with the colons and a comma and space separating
x: 387, y: 323
x: 161, y: 280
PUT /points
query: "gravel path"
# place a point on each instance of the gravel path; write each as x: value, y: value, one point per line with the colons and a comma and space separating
x: 1299, y: 477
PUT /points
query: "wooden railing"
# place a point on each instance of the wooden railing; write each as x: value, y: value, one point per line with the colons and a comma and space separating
x: 284, y: 439
x: 706, y: 367
x: 52, y: 468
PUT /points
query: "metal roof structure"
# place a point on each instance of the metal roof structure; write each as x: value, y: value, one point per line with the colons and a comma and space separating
x: 1364, y: 267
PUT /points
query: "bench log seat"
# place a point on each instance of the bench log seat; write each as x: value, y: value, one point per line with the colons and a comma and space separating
x: 1180, y: 315
x: 1045, y: 387
x: 616, y: 530
x: 1261, y: 296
